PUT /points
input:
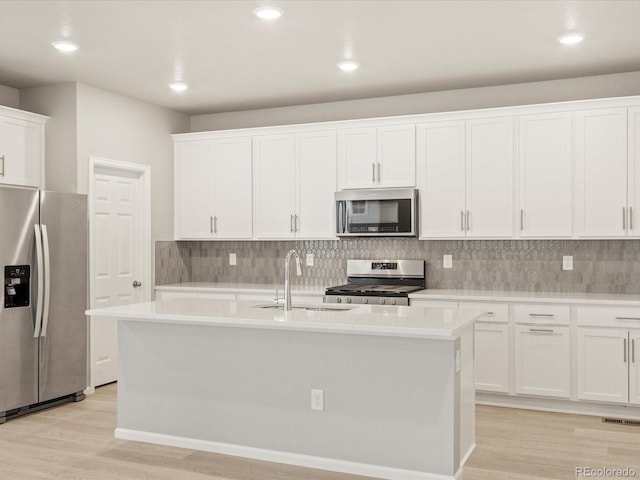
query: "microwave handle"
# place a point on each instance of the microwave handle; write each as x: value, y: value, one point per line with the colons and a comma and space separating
x: 339, y: 221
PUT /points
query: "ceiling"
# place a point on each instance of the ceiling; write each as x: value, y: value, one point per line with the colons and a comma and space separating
x: 232, y: 60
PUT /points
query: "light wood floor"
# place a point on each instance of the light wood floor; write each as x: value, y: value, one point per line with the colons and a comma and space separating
x: 75, y: 442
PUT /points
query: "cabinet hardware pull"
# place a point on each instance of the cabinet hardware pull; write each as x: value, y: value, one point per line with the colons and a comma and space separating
x: 627, y: 318
x: 467, y: 220
x: 378, y: 172
x: 521, y: 219
x: 541, y: 330
x: 625, y: 350
x: 295, y: 223
x: 461, y: 221
x: 630, y: 218
x: 546, y: 315
x: 633, y: 350
x: 490, y: 313
x: 291, y: 223
x: 2, y: 172
x: 211, y: 223
x: 373, y: 172
x: 624, y: 218
x: 215, y: 224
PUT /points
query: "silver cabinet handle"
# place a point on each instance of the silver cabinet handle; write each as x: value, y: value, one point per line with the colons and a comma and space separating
x: 545, y: 315
x: 2, y: 171
x: 136, y: 284
x: 624, y: 218
x: 291, y: 223
x: 633, y: 350
x: 211, y: 224
x: 215, y: 224
x: 295, y: 223
x: 521, y: 219
x: 379, y: 172
x: 373, y: 172
x: 541, y: 330
x: 461, y: 221
x: 627, y: 318
x: 467, y: 220
x: 490, y: 313
x: 625, y: 350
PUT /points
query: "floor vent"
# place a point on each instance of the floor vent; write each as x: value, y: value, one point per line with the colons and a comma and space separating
x: 622, y: 421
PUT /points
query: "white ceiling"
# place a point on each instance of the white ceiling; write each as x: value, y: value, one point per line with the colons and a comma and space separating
x: 234, y: 61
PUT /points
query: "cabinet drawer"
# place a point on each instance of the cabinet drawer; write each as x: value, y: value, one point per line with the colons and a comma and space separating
x: 608, y: 317
x: 542, y: 314
x: 494, y: 312
x: 433, y: 303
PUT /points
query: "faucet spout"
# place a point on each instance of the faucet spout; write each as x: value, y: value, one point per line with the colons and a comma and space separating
x: 287, y: 286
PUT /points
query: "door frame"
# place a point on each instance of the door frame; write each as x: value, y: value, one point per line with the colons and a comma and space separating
x: 144, y: 174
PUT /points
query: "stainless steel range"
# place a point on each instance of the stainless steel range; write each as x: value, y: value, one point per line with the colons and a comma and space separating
x: 379, y: 282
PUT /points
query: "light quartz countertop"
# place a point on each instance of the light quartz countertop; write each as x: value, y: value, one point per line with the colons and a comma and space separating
x: 416, y: 322
x: 428, y: 294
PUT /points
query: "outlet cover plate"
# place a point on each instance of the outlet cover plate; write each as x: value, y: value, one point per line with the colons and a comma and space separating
x: 232, y: 259
x: 447, y: 261
x: 567, y: 262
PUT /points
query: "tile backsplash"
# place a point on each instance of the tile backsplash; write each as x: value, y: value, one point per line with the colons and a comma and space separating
x: 599, y: 266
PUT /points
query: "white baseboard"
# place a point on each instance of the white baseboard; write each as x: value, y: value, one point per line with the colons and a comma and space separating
x: 558, y: 405
x: 308, y: 461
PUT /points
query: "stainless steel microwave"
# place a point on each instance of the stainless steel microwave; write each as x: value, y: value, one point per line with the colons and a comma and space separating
x: 377, y: 212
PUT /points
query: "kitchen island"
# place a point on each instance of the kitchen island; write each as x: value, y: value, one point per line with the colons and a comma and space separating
x: 385, y: 392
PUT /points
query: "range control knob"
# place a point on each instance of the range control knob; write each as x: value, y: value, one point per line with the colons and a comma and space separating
x: 348, y: 300
x: 365, y: 300
x: 393, y: 302
x: 339, y: 300
x: 383, y: 301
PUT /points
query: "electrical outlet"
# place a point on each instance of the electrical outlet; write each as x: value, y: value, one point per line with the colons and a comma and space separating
x: 317, y: 400
x: 309, y: 260
x: 567, y: 262
x: 447, y: 261
x: 232, y: 259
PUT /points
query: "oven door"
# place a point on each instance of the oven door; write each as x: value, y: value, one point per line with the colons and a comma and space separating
x: 376, y: 213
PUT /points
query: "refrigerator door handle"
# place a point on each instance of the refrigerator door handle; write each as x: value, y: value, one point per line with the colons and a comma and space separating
x: 47, y: 280
x: 38, y: 320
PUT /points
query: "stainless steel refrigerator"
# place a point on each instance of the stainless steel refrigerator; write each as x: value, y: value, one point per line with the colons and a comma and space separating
x: 43, y: 328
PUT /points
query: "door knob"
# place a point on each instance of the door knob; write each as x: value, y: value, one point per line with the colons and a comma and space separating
x: 136, y: 284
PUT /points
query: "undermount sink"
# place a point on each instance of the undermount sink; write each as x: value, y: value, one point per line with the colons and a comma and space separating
x: 318, y: 308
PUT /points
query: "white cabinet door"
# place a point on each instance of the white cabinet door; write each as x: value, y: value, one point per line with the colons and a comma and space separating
x: 491, y: 357
x: 543, y: 360
x: 441, y: 167
x: 316, y: 185
x: 545, y: 175
x: 602, y: 366
x: 21, y: 152
x: 232, y: 188
x: 489, y: 177
x: 397, y: 156
x: 633, y: 194
x: 601, y: 172
x: 274, y: 186
x: 634, y: 367
x: 357, y: 158
x: 193, y: 195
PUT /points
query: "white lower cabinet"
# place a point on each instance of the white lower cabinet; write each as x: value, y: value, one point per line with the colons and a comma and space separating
x: 542, y: 360
x: 491, y: 357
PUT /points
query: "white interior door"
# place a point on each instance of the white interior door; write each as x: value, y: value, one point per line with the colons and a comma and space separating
x: 117, y: 260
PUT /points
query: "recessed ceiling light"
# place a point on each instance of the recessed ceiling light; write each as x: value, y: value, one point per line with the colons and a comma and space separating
x: 348, y: 66
x: 65, y: 46
x: 178, y: 86
x: 570, y: 38
x: 268, y: 13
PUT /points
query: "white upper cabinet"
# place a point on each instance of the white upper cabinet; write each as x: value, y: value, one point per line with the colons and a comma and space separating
x: 377, y: 157
x: 466, y: 178
x: 294, y: 184
x: 21, y: 148
x: 316, y: 185
x: 601, y: 181
x: 441, y: 178
x: 213, y: 189
x: 545, y: 176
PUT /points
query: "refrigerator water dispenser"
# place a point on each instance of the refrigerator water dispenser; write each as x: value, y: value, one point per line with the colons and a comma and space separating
x: 16, y: 285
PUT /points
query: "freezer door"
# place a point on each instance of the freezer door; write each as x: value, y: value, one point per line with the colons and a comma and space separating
x: 63, y: 341
x: 18, y: 347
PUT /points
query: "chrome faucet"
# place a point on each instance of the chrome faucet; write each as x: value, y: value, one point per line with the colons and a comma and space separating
x: 287, y: 287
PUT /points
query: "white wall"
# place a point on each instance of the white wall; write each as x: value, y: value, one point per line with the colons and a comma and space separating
x: 121, y: 128
x: 61, y: 139
x: 9, y: 97
x: 601, y: 86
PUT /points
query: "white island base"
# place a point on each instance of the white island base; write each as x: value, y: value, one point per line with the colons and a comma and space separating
x: 225, y: 377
